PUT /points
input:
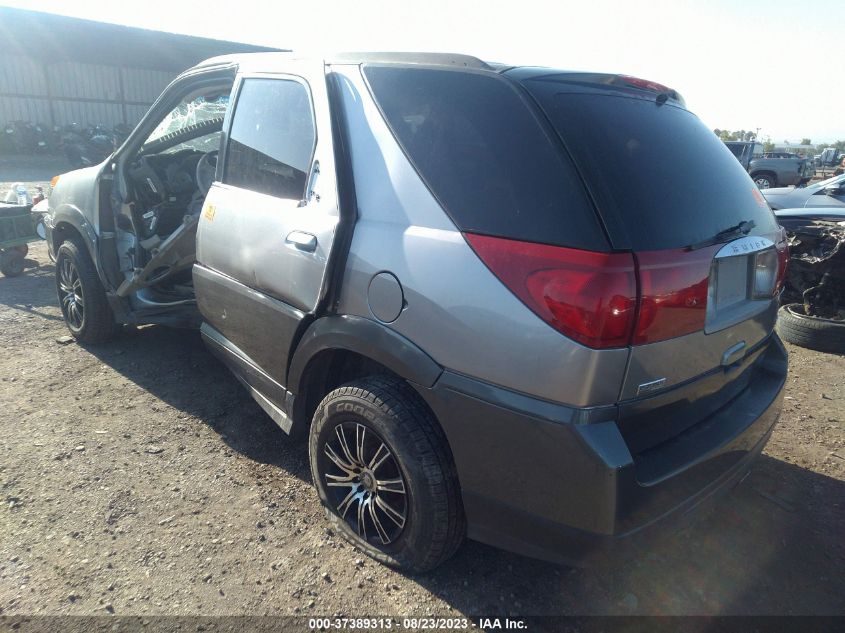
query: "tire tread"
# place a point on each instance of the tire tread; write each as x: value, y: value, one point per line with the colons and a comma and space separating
x: 818, y: 334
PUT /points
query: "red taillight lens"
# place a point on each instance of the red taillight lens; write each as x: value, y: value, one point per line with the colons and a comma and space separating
x: 591, y: 297
x: 644, y: 84
x: 673, y: 286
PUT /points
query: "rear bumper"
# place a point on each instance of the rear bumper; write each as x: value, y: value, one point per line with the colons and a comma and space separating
x: 561, y: 484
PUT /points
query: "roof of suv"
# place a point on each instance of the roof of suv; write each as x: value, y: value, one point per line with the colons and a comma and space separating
x: 267, y: 61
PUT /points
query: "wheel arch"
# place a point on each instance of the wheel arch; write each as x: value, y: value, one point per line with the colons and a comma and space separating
x: 335, y: 350
x: 765, y: 172
x: 67, y: 222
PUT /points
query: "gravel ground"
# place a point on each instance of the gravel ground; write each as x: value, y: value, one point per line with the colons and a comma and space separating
x: 139, y: 478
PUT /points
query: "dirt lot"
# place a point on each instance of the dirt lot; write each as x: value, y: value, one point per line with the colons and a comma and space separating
x: 140, y: 478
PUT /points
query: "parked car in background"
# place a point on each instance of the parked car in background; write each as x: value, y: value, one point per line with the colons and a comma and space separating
x: 827, y: 193
x: 793, y: 218
x: 350, y: 236
x: 770, y: 172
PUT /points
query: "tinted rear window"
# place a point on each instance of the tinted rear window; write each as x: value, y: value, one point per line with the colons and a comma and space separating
x: 486, y: 156
x: 659, y: 176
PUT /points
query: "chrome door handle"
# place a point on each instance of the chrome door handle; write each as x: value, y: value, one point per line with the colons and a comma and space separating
x: 302, y: 241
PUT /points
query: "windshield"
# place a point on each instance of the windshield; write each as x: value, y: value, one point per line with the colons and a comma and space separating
x: 188, y: 113
x: 660, y: 177
x: 205, y: 143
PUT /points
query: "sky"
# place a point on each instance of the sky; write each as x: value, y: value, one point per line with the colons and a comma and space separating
x: 776, y: 65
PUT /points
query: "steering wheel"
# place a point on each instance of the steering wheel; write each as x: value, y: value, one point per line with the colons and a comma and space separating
x: 206, y: 167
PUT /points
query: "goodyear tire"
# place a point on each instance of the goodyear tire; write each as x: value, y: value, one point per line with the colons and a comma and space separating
x: 823, y: 335
x: 385, y: 475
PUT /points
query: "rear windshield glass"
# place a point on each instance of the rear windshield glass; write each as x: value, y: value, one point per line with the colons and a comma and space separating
x: 659, y: 176
x: 485, y: 156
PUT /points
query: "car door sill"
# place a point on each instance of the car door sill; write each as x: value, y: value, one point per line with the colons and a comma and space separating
x: 269, y: 394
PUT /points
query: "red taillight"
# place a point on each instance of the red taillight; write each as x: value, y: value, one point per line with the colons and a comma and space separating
x: 673, y: 288
x: 591, y: 297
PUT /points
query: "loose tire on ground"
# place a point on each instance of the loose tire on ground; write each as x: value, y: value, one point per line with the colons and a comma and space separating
x: 12, y: 262
x: 823, y: 335
x: 96, y: 324
x: 391, y: 413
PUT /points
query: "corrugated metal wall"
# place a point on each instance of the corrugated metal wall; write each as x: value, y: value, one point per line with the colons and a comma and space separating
x: 70, y: 92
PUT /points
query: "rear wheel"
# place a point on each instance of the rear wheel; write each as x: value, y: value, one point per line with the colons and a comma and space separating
x: 12, y: 262
x: 385, y: 475
x: 824, y: 335
x: 765, y: 181
x: 82, y: 297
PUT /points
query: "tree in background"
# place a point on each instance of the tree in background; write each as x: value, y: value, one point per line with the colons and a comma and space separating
x: 806, y: 141
x: 737, y: 135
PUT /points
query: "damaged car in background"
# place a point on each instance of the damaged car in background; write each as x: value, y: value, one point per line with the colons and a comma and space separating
x: 813, y: 312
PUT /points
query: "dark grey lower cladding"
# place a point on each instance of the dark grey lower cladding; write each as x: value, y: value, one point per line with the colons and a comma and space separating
x: 262, y: 327
x: 270, y: 395
x: 573, y: 492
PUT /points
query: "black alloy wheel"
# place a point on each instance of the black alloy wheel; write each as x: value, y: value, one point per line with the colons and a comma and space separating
x: 71, y: 297
x: 81, y: 295
x: 364, y: 482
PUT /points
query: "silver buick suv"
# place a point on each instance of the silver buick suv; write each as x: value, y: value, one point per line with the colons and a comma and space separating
x: 502, y: 302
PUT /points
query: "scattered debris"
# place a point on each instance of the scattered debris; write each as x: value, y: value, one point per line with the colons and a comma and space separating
x: 816, y: 272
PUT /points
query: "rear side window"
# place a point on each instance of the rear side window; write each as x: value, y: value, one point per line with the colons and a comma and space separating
x: 660, y: 177
x: 272, y: 138
x: 485, y: 156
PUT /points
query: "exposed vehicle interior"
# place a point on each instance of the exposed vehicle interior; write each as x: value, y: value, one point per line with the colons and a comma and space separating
x: 163, y: 186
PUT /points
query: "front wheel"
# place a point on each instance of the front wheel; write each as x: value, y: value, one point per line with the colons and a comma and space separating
x: 384, y: 473
x: 82, y: 297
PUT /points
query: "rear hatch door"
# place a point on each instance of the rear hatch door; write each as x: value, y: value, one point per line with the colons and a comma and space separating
x: 708, y: 247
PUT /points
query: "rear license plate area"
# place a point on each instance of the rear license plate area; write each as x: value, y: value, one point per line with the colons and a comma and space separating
x: 732, y: 281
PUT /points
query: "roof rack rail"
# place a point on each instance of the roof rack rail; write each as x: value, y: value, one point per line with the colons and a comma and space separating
x: 428, y: 59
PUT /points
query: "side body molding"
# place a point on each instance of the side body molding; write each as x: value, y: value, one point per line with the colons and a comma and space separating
x: 368, y: 338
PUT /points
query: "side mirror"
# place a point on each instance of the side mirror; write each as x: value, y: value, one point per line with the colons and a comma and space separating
x: 834, y: 190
